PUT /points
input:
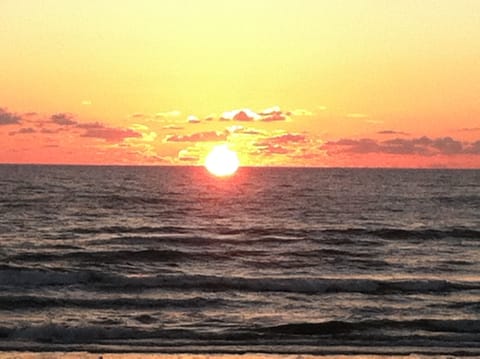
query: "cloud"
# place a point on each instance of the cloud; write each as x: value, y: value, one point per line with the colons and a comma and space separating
x: 193, y: 119
x: 147, y: 134
x: 273, y: 114
x: 469, y: 129
x: 448, y: 146
x: 246, y: 115
x: 423, y: 146
x: 188, y: 158
x: 90, y: 125
x: 8, y: 118
x: 63, y: 119
x: 392, y: 132
x: 243, y: 115
x: 174, y: 113
x: 137, y: 115
x: 276, y: 116
x: 283, y: 144
x: 243, y: 130
x: 287, y: 138
x: 474, y: 148
x: 271, y: 149
x: 270, y: 110
x: 110, y: 134
x: 49, y: 130
x: 301, y: 112
x: 251, y: 131
x: 186, y: 155
x: 26, y: 130
x: 208, y: 136
x: 173, y: 127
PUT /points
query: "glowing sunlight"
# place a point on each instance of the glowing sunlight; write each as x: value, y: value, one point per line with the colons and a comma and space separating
x: 221, y: 161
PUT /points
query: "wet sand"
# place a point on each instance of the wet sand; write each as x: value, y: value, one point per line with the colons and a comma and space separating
x: 84, y: 355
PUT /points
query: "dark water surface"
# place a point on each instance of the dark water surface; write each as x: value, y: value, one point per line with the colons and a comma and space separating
x: 272, y: 259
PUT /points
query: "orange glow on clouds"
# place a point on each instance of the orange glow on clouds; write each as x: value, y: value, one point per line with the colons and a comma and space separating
x: 310, y: 83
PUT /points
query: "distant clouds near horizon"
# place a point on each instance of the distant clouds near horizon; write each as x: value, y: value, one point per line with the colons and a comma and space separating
x: 305, y: 83
x: 137, y: 143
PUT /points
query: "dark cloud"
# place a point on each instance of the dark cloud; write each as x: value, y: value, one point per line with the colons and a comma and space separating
x: 250, y: 131
x: 448, y: 146
x: 104, y: 132
x: 392, y: 132
x: 474, y: 148
x: 423, y: 146
x: 172, y: 127
x: 287, y: 138
x: 244, y: 130
x: 208, y: 136
x: 280, y: 144
x: 138, y: 115
x: 26, y: 130
x: 193, y: 119
x: 188, y: 158
x: 110, y: 134
x: 63, y: 119
x: 271, y: 149
x: 242, y: 116
x: 50, y: 131
x: 275, y: 116
x: 90, y: 125
x: 247, y: 115
x: 8, y: 118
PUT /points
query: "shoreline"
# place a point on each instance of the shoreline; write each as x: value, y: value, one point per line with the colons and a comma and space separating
x: 325, y: 353
x: 140, y: 355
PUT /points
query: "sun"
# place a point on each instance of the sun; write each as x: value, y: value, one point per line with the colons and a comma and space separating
x: 222, y: 161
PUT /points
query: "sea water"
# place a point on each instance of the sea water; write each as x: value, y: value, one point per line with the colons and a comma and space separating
x: 278, y: 260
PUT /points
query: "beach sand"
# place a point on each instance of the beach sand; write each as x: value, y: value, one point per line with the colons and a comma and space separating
x: 85, y: 355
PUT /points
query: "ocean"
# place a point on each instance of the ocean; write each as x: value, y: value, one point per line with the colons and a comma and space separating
x: 270, y: 260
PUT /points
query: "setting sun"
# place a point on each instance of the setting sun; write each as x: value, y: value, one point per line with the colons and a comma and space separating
x: 221, y: 161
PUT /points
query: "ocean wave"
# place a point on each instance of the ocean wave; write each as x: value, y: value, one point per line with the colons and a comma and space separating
x: 429, y: 333
x: 298, y: 285
x: 147, y: 255
x: 127, y: 229
x: 276, y: 234
x: 106, y: 281
x: 384, y: 233
x: 56, y: 333
x: 29, y: 302
x: 340, y: 327
x: 130, y: 256
x: 398, y: 233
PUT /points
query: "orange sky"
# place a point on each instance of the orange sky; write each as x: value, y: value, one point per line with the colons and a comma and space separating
x: 305, y: 82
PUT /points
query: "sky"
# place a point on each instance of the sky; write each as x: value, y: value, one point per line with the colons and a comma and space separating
x: 359, y: 83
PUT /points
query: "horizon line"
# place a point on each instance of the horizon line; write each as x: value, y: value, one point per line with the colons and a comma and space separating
x: 247, y: 166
